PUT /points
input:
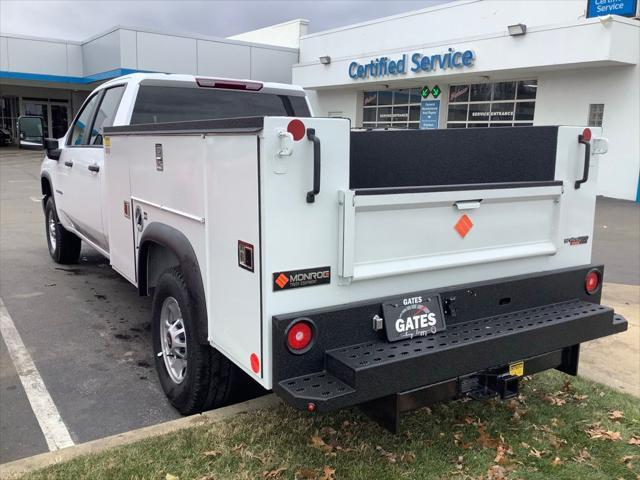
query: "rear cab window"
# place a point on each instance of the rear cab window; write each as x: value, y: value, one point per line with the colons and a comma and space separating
x: 160, y: 104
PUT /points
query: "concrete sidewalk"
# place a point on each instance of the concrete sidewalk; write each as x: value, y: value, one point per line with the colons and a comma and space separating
x: 615, y: 360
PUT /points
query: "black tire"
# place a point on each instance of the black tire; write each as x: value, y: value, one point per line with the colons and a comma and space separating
x: 210, y: 379
x: 66, y: 247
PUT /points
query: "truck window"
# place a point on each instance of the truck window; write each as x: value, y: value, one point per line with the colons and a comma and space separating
x: 106, y: 113
x: 79, y: 128
x: 157, y: 104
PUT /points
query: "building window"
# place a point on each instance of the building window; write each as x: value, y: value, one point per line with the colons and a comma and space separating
x: 391, y: 109
x: 500, y: 104
x: 596, y: 112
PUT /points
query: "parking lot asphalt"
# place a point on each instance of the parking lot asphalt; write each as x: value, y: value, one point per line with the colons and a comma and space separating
x: 88, y: 331
x: 85, y: 328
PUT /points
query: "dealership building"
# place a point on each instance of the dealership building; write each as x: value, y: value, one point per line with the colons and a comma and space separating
x: 464, y: 64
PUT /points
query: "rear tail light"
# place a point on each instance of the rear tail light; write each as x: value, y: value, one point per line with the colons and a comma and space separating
x: 592, y: 281
x: 586, y: 135
x: 300, y: 336
x: 228, y: 84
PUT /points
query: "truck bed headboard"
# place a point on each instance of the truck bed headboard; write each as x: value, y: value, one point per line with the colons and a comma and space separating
x: 387, y: 159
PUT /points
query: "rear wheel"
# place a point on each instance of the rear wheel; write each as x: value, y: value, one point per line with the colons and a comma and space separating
x: 194, y: 376
x: 64, y: 246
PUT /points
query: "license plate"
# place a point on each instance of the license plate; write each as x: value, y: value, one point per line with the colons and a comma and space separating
x: 410, y: 317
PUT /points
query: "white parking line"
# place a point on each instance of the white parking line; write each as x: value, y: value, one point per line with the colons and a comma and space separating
x: 55, y: 431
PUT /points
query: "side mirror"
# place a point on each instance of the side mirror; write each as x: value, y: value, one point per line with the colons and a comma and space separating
x: 53, y: 149
x: 31, y: 132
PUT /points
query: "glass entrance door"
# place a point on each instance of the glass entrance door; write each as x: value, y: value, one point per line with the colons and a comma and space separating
x: 54, y: 113
x: 59, y: 119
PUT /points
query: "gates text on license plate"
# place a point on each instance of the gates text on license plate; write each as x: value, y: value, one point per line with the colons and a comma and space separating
x: 415, y: 316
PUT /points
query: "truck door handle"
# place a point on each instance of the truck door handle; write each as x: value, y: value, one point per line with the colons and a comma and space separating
x: 587, y: 157
x: 94, y: 168
x: 311, y: 194
x: 68, y: 164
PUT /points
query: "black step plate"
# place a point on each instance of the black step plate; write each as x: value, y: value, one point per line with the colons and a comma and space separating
x: 382, y: 368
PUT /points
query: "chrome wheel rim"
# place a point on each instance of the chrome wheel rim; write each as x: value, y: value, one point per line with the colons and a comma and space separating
x: 51, y: 230
x: 173, y: 339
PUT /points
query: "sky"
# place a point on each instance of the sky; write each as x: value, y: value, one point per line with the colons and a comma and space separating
x: 80, y: 19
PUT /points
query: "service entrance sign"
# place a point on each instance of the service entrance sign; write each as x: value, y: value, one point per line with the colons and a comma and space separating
x: 625, y: 8
x: 429, y: 114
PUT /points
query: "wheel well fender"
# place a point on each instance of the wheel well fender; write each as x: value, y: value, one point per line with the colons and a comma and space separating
x: 45, y: 188
x: 162, y: 247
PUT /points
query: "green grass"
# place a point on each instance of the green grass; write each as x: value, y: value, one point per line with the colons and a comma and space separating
x: 540, y: 435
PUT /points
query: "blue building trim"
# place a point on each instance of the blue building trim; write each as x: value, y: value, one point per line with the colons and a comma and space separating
x: 118, y: 72
x: 638, y: 192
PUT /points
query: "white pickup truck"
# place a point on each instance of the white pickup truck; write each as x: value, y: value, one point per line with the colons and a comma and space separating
x: 336, y: 267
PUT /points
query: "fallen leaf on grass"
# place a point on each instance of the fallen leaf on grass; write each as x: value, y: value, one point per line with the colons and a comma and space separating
x: 556, y: 461
x: 486, y: 440
x: 634, y: 440
x: 555, y: 400
x: 408, y: 458
x: 616, y: 415
x: 500, y: 455
x: 459, y: 462
x: 390, y: 456
x: 212, y: 453
x: 275, y: 473
x: 534, y: 452
x: 305, y: 474
x: 596, y: 432
x: 556, y: 442
x: 582, y: 456
x: 319, y: 443
x: 328, y: 473
x: 171, y: 477
x: 627, y: 461
x: 240, y: 446
x: 496, y: 472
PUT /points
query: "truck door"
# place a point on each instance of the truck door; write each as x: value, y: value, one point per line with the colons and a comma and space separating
x: 84, y: 159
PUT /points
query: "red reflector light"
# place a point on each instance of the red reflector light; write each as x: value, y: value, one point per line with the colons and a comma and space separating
x: 297, y: 129
x: 586, y: 134
x: 228, y: 84
x: 592, y: 282
x: 255, y: 363
x: 299, y: 336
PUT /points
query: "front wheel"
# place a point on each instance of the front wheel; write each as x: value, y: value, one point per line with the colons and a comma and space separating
x: 194, y: 376
x: 64, y: 246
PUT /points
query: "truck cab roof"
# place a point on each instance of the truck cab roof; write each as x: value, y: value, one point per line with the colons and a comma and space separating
x: 183, y: 80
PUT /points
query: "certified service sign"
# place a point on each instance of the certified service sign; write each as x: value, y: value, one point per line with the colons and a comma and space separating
x: 625, y: 8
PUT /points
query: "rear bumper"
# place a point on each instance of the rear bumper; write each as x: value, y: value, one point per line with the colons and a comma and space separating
x: 374, y: 368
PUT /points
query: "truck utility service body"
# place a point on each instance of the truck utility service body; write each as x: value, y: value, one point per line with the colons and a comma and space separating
x: 341, y: 267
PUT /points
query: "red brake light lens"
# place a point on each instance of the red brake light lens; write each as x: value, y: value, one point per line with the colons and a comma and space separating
x: 586, y: 134
x: 228, y: 84
x: 592, y: 282
x: 299, y: 336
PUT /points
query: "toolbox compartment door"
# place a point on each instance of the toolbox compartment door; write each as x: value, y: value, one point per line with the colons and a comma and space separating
x: 393, y: 231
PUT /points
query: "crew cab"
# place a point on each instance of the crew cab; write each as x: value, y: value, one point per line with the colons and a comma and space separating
x: 333, y: 266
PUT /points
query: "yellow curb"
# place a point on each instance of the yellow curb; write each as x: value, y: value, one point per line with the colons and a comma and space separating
x: 36, y: 462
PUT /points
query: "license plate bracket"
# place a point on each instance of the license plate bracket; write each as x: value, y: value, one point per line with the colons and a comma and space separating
x: 416, y: 316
